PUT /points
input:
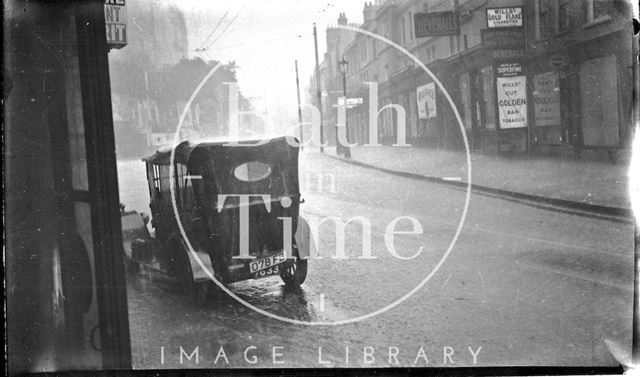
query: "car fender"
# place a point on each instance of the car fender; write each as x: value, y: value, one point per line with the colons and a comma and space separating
x: 304, y: 239
x: 196, y: 258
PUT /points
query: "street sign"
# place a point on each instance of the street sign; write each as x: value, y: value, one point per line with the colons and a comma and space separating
x: 350, y: 101
x: 115, y: 19
x: 557, y: 62
x: 503, y: 38
x: 436, y: 24
x: 504, y: 17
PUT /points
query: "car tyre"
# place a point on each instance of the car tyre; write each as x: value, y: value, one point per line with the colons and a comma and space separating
x: 187, y: 287
x: 294, y: 273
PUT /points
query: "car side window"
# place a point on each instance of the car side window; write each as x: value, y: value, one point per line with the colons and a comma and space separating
x: 185, y: 185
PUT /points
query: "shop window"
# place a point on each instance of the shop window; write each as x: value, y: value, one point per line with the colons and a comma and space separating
x: 455, y: 44
x: 599, y: 102
x: 413, y: 116
x: 598, y: 10
x: 465, y: 100
x: 564, y: 19
x: 430, y: 53
x: 488, y: 97
x: 410, y: 26
x: 373, y: 45
x: 545, y: 19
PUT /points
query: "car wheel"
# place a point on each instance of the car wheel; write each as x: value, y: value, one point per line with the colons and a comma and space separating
x: 294, y: 273
x: 202, y: 293
x: 187, y: 287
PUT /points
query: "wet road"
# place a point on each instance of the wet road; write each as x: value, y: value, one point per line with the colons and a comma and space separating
x: 521, y: 286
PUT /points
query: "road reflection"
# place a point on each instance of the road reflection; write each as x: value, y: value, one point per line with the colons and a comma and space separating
x: 269, y: 294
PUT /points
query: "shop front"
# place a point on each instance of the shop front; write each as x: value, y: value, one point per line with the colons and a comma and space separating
x: 405, y: 94
x: 470, y: 79
x: 579, y: 109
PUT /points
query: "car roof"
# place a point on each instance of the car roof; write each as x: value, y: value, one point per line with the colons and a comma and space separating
x: 185, y: 149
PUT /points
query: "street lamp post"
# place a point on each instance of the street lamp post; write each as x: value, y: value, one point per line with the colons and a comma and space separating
x: 343, y: 66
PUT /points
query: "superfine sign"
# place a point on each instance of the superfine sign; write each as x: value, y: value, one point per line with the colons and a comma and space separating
x: 509, y: 70
x: 504, y: 17
x: 436, y: 24
x: 115, y: 19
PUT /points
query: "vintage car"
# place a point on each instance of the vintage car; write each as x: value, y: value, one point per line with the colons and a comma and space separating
x: 216, y: 188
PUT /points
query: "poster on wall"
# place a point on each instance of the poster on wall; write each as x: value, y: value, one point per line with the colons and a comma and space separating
x: 426, y: 98
x: 546, y: 97
x: 504, y: 17
x: 511, y: 84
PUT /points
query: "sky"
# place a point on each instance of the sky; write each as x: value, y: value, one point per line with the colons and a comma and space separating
x: 264, y: 38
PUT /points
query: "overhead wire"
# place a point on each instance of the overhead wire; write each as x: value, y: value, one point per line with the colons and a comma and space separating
x: 223, y: 31
x: 214, y: 30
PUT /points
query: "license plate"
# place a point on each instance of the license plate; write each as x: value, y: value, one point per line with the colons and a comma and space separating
x: 266, y: 263
x: 274, y: 270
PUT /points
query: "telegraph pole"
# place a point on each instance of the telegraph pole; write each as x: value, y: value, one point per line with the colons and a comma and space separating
x: 319, y: 88
x: 635, y: 338
x: 146, y: 88
x: 299, y: 109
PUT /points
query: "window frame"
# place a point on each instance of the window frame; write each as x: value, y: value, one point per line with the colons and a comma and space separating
x: 591, y: 16
x: 560, y: 26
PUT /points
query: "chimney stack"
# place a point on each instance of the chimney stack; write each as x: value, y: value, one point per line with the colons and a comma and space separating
x: 342, y: 20
x: 369, y: 11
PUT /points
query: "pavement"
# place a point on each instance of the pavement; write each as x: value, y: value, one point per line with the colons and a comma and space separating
x: 592, y: 183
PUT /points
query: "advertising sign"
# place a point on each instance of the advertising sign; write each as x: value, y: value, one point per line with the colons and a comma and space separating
x: 115, y: 18
x: 546, y: 97
x: 436, y: 24
x: 504, y: 17
x: 509, y: 70
x: 426, y: 97
x: 499, y: 54
x: 505, y: 39
x: 511, y: 84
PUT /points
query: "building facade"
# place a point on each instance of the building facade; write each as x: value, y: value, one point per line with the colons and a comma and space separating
x: 526, y: 77
x: 157, y: 41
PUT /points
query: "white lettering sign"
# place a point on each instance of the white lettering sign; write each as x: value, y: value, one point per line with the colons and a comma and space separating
x: 504, y: 17
x: 426, y: 98
x: 512, y: 101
